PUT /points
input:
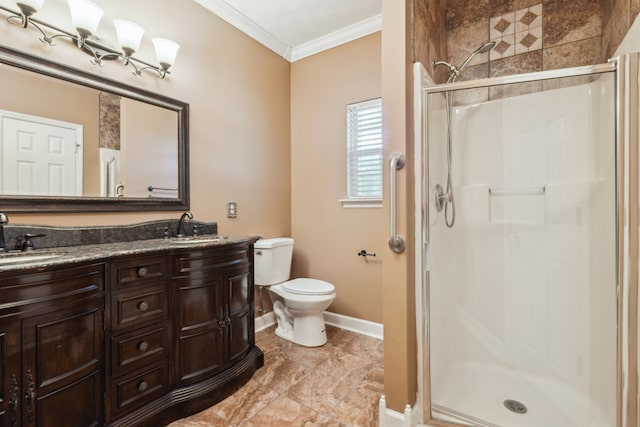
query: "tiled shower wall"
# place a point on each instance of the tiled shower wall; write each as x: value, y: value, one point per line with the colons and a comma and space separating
x: 430, y: 34
x: 617, y: 17
x: 531, y: 35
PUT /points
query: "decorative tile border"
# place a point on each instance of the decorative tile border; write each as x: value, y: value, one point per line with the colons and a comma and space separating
x: 516, y: 32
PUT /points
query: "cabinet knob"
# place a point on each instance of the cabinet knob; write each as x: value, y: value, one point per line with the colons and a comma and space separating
x: 143, y: 306
x: 143, y: 385
x: 227, y: 319
x: 143, y: 346
x: 142, y: 271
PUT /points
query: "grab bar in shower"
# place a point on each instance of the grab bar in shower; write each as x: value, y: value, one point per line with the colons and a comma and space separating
x: 396, y: 242
x: 525, y: 191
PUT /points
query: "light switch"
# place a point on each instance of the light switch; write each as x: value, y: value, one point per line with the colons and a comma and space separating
x: 232, y: 209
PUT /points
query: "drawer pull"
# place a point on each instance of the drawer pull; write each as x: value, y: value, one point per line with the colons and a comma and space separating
x: 143, y: 385
x: 142, y: 271
x: 14, y: 404
x: 143, y: 346
x: 143, y: 306
x: 30, y: 397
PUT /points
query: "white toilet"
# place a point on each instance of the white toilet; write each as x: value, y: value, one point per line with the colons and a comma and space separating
x: 298, y: 304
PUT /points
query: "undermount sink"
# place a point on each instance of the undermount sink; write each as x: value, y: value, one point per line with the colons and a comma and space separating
x: 195, y: 240
x: 22, y: 257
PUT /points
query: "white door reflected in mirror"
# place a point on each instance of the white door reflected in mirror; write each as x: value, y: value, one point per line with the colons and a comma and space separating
x: 40, y: 156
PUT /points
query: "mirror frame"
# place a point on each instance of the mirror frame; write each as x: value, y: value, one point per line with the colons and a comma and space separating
x: 37, y: 204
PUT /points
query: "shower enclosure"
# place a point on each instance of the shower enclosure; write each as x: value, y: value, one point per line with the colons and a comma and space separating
x: 527, y: 305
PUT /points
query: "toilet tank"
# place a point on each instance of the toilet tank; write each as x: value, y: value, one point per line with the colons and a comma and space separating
x: 272, y: 260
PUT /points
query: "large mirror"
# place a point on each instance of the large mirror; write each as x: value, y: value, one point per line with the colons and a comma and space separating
x: 75, y: 142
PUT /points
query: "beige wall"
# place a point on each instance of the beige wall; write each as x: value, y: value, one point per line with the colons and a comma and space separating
x: 238, y: 93
x: 148, y: 149
x: 328, y: 236
x: 398, y: 293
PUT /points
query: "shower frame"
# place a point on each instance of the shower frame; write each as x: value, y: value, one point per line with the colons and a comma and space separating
x: 626, y: 69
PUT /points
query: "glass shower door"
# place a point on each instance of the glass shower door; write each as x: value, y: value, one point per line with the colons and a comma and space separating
x: 522, y: 282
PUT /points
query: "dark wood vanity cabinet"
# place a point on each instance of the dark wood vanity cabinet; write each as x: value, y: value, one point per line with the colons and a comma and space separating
x: 52, y: 347
x: 214, y: 325
x: 140, y: 332
x: 193, y: 355
x: 132, y: 341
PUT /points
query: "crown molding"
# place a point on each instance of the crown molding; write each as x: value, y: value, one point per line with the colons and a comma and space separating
x: 291, y: 53
x: 246, y: 25
x: 344, y: 35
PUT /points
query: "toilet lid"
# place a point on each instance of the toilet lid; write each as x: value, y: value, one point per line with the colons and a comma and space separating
x: 308, y: 287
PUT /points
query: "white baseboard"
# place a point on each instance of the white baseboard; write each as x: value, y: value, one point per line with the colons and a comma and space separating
x: 390, y: 418
x: 360, y: 326
x: 264, y: 321
x: 352, y: 324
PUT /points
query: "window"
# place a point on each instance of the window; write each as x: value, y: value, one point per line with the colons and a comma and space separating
x: 364, y: 150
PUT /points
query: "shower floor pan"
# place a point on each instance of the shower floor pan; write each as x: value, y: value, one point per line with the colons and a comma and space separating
x: 480, y: 391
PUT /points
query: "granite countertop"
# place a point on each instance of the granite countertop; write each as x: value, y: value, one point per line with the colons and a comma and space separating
x: 55, y: 245
x: 46, y: 257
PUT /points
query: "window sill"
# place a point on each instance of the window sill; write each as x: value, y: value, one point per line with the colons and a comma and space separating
x: 361, y: 203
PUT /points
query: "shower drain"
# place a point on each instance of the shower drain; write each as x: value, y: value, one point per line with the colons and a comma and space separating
x: 515, y: 406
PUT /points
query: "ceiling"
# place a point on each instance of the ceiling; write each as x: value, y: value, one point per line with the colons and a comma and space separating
x: 296, y: 29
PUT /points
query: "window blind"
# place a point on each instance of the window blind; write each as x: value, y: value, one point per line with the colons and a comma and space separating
x: 364, y: 149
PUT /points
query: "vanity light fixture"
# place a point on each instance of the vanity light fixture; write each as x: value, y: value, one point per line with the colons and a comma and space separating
x: 86, y: 16
x: 166, y: 51
x: 129, y: 36
x: 28, y: 8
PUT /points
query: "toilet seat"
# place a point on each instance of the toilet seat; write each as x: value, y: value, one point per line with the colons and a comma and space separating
x: 308, y: 287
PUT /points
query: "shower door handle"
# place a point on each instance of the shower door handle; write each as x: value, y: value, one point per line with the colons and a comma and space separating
x: 396, y: 242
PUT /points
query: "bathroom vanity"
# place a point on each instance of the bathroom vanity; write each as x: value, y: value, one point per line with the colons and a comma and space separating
x: 136, y: 333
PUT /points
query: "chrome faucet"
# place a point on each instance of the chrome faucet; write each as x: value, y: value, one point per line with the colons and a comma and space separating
x: 180, y: 231
x: 4, y: 220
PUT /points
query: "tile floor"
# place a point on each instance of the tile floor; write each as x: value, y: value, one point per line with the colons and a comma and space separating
x: 338, y: 384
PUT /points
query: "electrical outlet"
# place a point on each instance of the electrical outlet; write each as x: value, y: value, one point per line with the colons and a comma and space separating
x: 232, y: 209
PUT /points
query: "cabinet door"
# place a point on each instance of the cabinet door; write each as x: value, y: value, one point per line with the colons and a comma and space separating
x: 62, y: 378
x: 10, y: 374
x: 239, y: 314
x: 200, y: 328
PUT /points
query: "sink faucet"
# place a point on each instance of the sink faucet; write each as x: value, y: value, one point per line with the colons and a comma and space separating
x: 180, y: 231
x: 4, y: 220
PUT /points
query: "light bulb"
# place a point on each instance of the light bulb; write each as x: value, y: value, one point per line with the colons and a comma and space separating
x: 166, y: 51
x: 85, y: 16
x: 129, y: 35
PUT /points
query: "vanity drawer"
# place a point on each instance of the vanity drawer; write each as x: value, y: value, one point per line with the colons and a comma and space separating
x: 138, y: 348
x: 142, y: 305
x: 139, y: 270
x: 140, y: 387
x: 45, y: 288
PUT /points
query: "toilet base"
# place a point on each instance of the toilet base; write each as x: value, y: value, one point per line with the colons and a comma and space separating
x: 309, y: 331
